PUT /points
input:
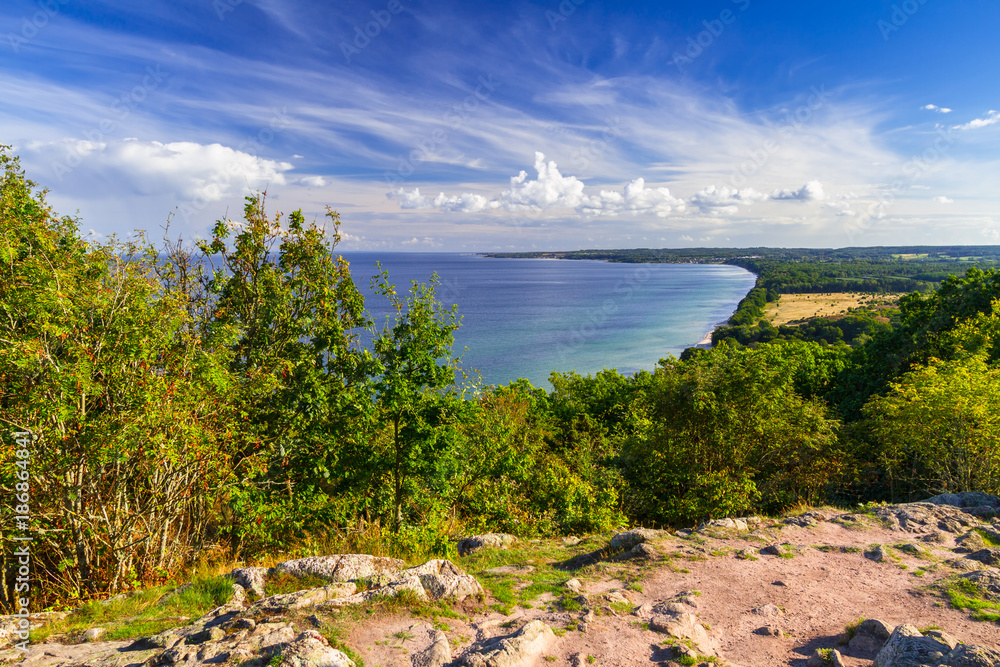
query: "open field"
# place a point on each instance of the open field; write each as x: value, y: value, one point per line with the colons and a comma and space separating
x: 797, y: 307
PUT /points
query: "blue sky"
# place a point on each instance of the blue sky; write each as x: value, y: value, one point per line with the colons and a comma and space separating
x: 516, y: 125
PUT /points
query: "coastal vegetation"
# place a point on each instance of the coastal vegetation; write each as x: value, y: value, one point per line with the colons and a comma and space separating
x: 217, y: 402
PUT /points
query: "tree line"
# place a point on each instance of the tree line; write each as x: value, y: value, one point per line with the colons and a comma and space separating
x: 216, y: 401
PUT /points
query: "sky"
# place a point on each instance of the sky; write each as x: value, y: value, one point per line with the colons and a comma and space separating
x: 486, y: 126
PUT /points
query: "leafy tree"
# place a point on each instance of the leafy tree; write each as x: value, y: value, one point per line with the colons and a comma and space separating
x: 413, y: 363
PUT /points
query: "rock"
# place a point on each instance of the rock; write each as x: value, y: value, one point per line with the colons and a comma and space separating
x: 94, y: 634
x: 965, y: 564
x: 616, y: 597
x: 869, y: 637
x: 987, y: 581
x: 774, y: 550
x: 769, y: 630
x: 768, y: 610
x: 471, y: 545
x: 825, y: 658
x: 907, y: 647
x: 684, y: 532
x: 630, y: 538
x: 971, y: 655
x: 411, y: 585
x: 251, y: 578
x: 727, y: 523
x: 521, y: 648
x: 879, y: 554
x: 517, y: 570
x: 443, y: 580
x: 311, y: 649
x: 779, y: 582
x: 574, y: 585
x: 970, y: 542
x: 683, y: 626
x: 303, y: 599
x: 988, y: 556
x: 437, y: 654
x: 965, y: 499
x: 638, y: 552
x: 921, y: 517
x: 571, y: 541
x: 912, y: 549
x: 346, y: 567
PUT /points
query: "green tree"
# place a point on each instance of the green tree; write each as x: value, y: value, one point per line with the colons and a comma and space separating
x: 414, y: 363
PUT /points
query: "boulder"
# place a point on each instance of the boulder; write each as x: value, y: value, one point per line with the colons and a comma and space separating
x: 972, y: 655
x: 437, y: 654
x: 878, y: 553
x: 988, y: 556
x: 347, y: 567
x: 520, y: 648
x: 630, y: 538
x: 825, y: 658
x: 727, y: 524
x: 869, y: 637
x: 907, y: 647
x: 685, y: 626
x: 251, y: 578
x: 94, y: 634
x: 407, y: 586
x: 443, y: 580
x: 312, y: 597
x: 471, y: 545
x: 311, y: 649
x: 775, y: 550
x: 987, y: 581
x: 970, y: 542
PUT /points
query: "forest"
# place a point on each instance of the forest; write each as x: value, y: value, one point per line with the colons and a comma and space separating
x: 189, y: 403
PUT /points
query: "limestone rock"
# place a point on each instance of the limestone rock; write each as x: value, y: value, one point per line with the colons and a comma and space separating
x: 437, y: 654
x: 727, y: 523
x: 825, y: 659
x: 311, y: 649
x: 988, y: 556
x: 521, y: 648
x: 775, y: 550
x: 683, y: 626
x: 409, y: 585
x: 972, y: 655
x: 574, y: 586
x: 303, y: 599
x: 907, y: 647
x: 94, y: 634
x: 921, y: 517
x: 630, y: 538
x: 471, y: 545
x: 869, y: 637
x: 346, y: 567
x: 769, y: 611
x: 251, y: 578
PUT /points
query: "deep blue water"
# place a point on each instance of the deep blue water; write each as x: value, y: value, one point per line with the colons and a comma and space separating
x: 530, y: 317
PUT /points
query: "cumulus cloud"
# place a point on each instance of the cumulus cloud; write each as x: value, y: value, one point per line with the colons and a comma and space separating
x: 192, y: 171
x: 936, y: 108
x: 811, y: 191
x: 992, y: 118
x: 550, y: 190
x: 635, y: 199
x: 725, y: 200
x: 941, y: 199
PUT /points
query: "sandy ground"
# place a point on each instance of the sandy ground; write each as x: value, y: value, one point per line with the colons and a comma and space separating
x: 797, y: 307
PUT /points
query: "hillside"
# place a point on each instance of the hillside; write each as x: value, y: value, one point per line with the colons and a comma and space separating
x: 737, y: 592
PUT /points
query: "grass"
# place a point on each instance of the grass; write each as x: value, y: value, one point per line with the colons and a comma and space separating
x: 965, y: 595
x: 282, y: 582
x: 146, y: 613
x: 988, y: 537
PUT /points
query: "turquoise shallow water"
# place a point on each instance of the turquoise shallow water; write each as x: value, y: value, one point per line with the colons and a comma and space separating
x: 529, y: 317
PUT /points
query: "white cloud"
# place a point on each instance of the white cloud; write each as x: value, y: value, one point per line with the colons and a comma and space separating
x: 465, y: 203
x: 725, y: 200
x: 549, y: 190
x: 313, y: 181
x: 991, y: 118
x: 635, y: 199
x: 943, y: 200
x: 934, y: 107
x: 811, y: 191
x: 188, y: 170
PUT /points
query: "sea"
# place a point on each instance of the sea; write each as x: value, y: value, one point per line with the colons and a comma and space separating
x: 528, y: 318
